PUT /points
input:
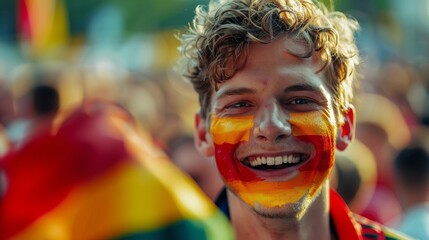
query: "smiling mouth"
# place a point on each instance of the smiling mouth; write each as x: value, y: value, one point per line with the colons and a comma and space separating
x: 275, y: 162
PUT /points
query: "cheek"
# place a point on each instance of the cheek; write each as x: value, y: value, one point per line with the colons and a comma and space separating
x: 318, y: 129
x: 231, y: 130
x: 227, y: 134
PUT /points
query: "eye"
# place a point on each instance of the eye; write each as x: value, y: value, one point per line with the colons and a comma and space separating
x: 298, y: 101
x: 302, y: 104
x: 239, y: 105
x: 236, y: 108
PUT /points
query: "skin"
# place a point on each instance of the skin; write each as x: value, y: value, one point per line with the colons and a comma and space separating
x: 277, y: 107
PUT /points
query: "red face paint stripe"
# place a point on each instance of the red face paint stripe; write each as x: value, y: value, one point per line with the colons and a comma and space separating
x: 324, y: 146
x: 230, y: 169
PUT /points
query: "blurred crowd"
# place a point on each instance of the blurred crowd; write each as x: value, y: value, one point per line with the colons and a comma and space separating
x: 383, y: 175
x: 77, y: 164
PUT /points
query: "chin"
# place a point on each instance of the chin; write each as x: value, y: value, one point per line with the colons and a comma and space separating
x: 288, y: 211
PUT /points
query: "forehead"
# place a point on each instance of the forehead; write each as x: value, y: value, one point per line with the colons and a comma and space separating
x: 286, y: 52
x: 279, y: 62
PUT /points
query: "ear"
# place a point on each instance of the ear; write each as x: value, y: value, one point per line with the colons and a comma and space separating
x: 203, y: 138
x: 346, y: 131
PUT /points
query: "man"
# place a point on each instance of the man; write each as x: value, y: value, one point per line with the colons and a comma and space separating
x: 411, y: 167
x: 274, y: 80
x: 39, y: 108
x: 95, y: 175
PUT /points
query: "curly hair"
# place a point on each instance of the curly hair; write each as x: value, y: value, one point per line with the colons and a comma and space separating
x: 215, y: 46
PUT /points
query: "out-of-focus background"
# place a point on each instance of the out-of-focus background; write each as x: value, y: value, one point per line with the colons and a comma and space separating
x: 126, y: 50
x: 123, y: 50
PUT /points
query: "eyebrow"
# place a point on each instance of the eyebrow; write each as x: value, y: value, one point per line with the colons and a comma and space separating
x: 299, y: 87
x: 235, y: 91
x: 302, y: 87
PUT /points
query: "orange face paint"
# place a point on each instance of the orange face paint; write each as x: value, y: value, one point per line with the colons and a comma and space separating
x: 316, y: 128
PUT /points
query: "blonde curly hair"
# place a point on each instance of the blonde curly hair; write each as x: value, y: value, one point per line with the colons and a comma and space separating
x: 215, y: 46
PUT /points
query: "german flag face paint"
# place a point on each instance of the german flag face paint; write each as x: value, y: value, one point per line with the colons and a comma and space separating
x: 303, y: 180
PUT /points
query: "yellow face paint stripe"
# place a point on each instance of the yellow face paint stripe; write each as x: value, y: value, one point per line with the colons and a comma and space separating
x: 310, y: 123
x: 272, y: 193
x: 232, y: 130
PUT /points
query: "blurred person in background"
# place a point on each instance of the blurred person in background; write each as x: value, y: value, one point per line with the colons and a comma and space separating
x: 422, y: 104
x: 185, y: 155
x: 274, y: 80
x: 359, y: 160
x: 354, y: 175
x: 345, y: 178
x: 35, y: 100
x: 40, y: 106
x: 400, y: 83
x: 411, y: 168
x: 381, y: 127
x: 94, y: 174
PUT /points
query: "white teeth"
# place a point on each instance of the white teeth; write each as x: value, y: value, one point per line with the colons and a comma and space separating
x: 271, y: 161
x: 285, y: 159
x: 279, y: 160
x: 294, y: 159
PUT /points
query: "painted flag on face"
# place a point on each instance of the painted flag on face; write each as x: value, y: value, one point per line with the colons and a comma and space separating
x: 95, y: 176
x: 314, y: 128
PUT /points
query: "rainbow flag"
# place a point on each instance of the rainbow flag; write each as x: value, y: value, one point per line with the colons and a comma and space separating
x: 95, y: 176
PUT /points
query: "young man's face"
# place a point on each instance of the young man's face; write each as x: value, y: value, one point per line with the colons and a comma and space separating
x: 273, y: 129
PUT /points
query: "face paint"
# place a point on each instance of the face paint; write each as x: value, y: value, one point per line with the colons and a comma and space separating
x: 316, y: 128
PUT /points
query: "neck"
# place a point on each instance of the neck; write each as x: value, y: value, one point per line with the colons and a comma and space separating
x: 250, y: 225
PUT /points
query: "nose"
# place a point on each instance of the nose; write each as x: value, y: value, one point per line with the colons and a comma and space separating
x: 271, y: 124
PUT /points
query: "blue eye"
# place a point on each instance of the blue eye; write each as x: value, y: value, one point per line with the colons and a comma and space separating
x: 237, y: 108
x: 239, y: 105
x: 302, y: 104
x: 297, y: 101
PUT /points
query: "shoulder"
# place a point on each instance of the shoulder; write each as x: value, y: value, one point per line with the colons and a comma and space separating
x: 349, y: 225
x: 374, y: 230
